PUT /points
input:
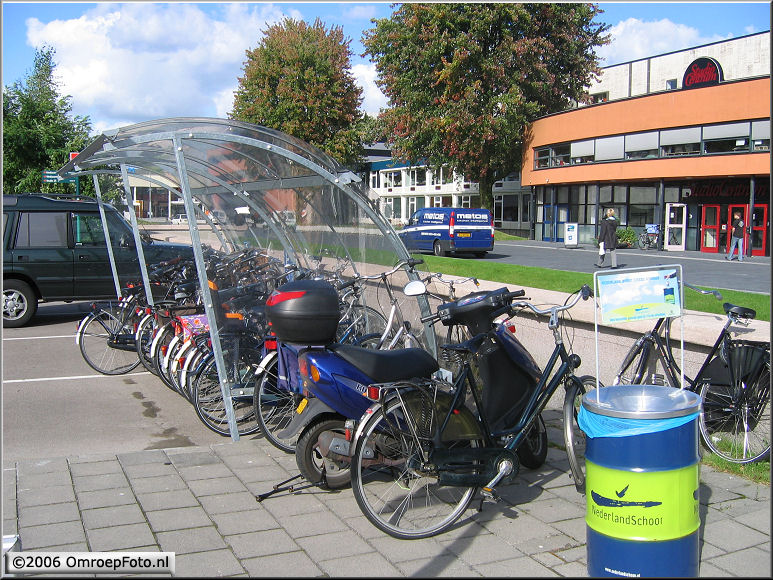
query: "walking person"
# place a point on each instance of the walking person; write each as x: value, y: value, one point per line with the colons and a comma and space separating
x: 736, y: 238
x: 608, y: 239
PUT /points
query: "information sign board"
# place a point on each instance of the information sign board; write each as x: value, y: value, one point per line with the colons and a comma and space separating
x: 639, y: 294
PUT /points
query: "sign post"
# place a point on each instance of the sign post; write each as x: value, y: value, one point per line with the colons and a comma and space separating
x: 570, y: 235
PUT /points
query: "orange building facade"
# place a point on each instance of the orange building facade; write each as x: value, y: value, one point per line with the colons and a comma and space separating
x: 683, y: 159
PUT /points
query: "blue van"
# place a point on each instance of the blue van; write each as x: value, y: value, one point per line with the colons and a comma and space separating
x: 449, y: 230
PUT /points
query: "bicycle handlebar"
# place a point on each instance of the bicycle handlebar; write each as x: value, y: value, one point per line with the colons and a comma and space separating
x: 585, y: 292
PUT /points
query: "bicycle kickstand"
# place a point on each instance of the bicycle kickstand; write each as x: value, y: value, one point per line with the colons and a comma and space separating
x: 281, y: 486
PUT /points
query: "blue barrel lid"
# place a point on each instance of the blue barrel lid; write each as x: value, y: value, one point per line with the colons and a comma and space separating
x: 642, y: 402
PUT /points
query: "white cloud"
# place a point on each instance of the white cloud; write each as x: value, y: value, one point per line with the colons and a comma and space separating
x: 125, y: 63
x: 373, y: 100
x: 633, y: 39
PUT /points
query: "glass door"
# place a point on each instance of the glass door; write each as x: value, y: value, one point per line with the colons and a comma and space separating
x: 710, y: 229
x: 676, y: 225
x: 555, y: 218
x: 731, y: 211
x: 760, y: 228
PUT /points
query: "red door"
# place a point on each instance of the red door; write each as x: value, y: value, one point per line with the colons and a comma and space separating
x: 710, y: 225
x: 744, y: 211
x: 759, y: 237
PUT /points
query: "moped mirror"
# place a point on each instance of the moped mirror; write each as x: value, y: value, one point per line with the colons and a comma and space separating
x: 415, y: 288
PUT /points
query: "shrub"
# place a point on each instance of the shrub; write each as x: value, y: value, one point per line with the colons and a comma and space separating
x: 626, y: 238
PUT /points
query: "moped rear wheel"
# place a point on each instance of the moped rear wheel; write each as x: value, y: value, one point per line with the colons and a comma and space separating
x: 394, y: 490
x: 311, y: 463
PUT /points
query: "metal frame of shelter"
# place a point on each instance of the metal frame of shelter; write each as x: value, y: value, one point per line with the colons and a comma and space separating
x: 235, y: 169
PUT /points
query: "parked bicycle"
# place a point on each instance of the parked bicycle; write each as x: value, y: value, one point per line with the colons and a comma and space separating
x: 650, y: 237
x: 733, y: 381
x: 420, y: 453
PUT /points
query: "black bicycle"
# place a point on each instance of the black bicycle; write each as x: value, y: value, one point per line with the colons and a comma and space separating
x: 420, y: 453
x: 733, y: 381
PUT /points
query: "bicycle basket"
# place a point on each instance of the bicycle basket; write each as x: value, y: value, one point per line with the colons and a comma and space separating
x: 652, y: 228
x: 748, y: 358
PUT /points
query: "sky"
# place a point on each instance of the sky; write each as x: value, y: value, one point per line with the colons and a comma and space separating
x: 127, y: 62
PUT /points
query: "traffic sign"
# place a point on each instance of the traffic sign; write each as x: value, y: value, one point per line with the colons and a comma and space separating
x: 54, y: 177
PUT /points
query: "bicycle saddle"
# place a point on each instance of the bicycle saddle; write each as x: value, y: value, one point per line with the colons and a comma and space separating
x: 739, y: 310
x: 384, y: 366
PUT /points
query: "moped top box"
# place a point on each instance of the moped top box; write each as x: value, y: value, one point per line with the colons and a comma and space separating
x: 304, y: 312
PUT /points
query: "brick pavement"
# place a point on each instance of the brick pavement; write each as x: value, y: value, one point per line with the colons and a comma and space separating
x: 199, y: 502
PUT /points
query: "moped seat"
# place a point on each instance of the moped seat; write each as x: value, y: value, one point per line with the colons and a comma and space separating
x: 384, y: 366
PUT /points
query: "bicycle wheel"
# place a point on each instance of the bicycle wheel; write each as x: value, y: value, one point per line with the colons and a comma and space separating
x: 107, y: 344
x: 452, y: 360
x: 275, y: 408
x: 143, y: 338
x: 208, y: 397
x: 642, y: 365
x: 735, y: 422
x: 574, y: 437
x: 358, y: 321
x: 159, y: 346
x: 644, y: 241
x: 394, y: 490
x: 533, y: 450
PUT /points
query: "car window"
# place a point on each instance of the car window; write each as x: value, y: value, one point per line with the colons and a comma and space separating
x: 42, y: 230
x: 87, y: 229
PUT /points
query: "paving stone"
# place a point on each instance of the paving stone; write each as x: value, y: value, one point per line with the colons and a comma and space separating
x: 105, y: 498
x: 166, y: 500
x: 45, y: 496
x: 731, y: 535
x: 95, y: 468
x: 195, y: 459
x: 10, y: 526
x: 49, y: 514
x: 442, y: 567
x: 142, y: 470
x: 39, y: 480
x: 51, y: 535
x: 514, y: 568
x: 254, y: 520
x: 170, y: 482
x: 553, y: 509
x: 323, y: 522
x: 178, y: 519
x: 120, y: 537
x: 228, y: 502
x: 253, y: 544
x: 292, y: 504
x: 402, y: 550
x: 751, y: 562
x: 372, y: 565
x: 112, y: 516
x: 266, y: 475
x: 575, y: 528
x: 477, y: 550
x: 42, y: 466
x: 572, y: 570
x: 334, y: 545
x: 143, y: 457
x: 191, y: 540
x: 75, y: 459
x: 218, y: 485
x: 759, y: 520
x: 286, y: 565
x: 97, y: 482
x: 209, y: 564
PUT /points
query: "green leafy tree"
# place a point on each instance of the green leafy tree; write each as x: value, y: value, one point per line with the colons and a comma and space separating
x: 299, y: 81
x: 39, y: 130
x: 464, y: 79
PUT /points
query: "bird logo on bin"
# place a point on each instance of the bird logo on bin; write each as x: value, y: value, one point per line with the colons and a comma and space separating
x: 602, y: 501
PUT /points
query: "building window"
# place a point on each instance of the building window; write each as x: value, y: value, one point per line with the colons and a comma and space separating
x: 726, y: 146
x: 542, y: 158
x: 599, y: 97
x: 761, y: 135
x: 374, y: 179
x: 641, y: 145
x: 671, y: 84
x: 417, y: 177
x: 392, y: 178
x: 560, y: 155
x: 685, y: 141
x: 526, y: 208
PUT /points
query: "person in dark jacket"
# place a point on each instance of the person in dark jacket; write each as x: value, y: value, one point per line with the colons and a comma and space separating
x: 736, y: 238
x: 608, y: 239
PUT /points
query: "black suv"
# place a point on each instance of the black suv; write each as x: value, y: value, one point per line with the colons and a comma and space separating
x: 55, y: 249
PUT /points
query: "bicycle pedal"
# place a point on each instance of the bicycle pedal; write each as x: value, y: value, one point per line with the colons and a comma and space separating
x: 489, y: 494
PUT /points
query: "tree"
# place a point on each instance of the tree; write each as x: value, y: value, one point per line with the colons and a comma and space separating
x: 38, y: 129
x: 299, y: 81
x: 464, y: 79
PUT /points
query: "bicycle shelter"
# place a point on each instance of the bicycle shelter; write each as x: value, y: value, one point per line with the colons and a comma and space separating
x: 256, y: 188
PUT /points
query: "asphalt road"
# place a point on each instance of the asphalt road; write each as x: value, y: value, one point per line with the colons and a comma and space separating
x: 701, y: 269
x: 55, y: 405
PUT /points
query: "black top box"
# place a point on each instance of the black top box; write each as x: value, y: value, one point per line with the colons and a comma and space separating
x: 304, y: 312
